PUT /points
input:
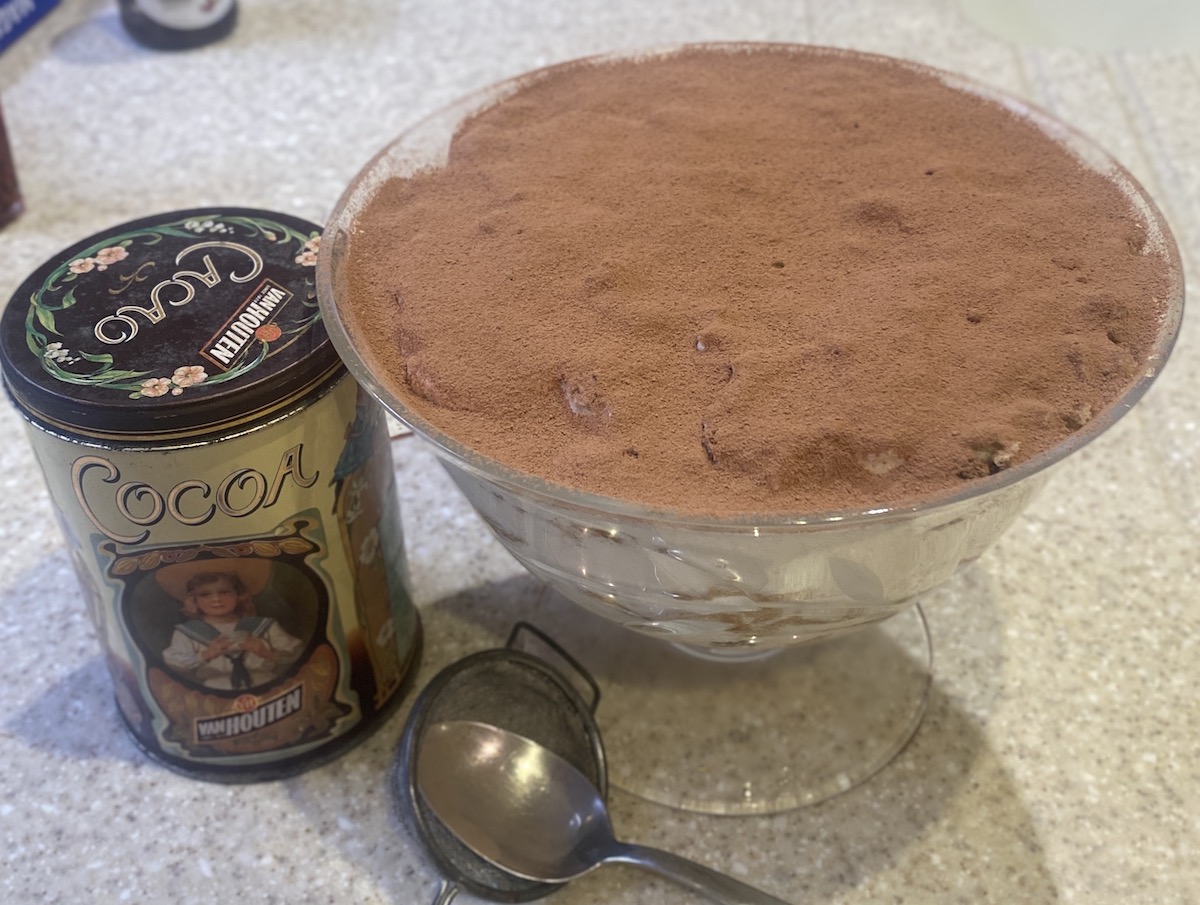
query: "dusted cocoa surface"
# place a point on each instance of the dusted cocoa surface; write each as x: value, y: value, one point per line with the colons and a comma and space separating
x: 758, y: 281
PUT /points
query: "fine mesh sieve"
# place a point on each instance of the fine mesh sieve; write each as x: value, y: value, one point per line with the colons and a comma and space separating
x: 514, y: 690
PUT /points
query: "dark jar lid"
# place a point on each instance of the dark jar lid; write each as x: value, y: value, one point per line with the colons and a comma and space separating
x: 170, y: 325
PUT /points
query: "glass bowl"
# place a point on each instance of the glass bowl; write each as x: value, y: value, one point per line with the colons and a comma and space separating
x: 725, y: 588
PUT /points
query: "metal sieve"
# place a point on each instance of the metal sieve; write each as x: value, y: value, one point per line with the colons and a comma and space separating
x: 515, y: 690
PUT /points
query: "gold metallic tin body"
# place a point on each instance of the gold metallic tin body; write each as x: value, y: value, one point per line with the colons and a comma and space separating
x: 242, y: 557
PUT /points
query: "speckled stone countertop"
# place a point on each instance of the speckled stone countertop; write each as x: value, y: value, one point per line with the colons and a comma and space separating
x: 1060, y: 757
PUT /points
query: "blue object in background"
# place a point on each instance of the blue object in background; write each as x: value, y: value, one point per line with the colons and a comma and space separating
x: 18, y: 16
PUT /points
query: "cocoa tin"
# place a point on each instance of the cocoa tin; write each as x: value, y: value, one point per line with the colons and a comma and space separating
x: 225, y: 488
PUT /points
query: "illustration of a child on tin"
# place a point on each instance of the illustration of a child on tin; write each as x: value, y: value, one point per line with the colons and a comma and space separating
x: 222, y: 643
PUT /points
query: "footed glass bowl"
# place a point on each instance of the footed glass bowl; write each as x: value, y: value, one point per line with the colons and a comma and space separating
x: 727, y: 588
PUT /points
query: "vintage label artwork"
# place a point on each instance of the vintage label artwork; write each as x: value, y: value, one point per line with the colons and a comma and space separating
x: 251, y: 591
x: 246, y: 617
x: 225, y: 488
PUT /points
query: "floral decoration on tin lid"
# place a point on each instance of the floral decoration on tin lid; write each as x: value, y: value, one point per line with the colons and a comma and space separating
x: 165, y: 312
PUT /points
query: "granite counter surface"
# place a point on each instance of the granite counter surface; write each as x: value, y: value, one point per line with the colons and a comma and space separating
x: 1060, y: 757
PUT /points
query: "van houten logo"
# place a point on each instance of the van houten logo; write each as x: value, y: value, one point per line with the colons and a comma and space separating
x: 250, y: 716
x: 255, y: 317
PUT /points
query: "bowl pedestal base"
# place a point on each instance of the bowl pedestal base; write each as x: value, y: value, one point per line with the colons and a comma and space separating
x: 779, y: 730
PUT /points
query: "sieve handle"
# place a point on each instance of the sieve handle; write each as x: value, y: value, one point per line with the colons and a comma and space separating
x: 705, y: 881
x: 558, y: 649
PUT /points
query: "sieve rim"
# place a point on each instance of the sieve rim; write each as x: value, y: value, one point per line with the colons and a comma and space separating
x: 404, y: 788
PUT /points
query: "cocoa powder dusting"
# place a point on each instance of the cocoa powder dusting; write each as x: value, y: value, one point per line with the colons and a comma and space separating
x: 759, y: 281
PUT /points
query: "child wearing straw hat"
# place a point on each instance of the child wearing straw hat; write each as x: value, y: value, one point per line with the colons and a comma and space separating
x: 222, y: 643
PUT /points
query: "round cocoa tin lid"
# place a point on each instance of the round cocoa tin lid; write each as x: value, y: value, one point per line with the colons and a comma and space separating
x: 169, y: 325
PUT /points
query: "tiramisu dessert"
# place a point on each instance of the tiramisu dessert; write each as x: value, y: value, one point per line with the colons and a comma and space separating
x: 758, y: 280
